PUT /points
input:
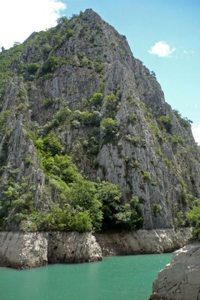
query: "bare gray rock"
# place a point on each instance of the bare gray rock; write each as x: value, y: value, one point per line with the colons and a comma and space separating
x: 181, y: 279
x: 21, y: 251
x: 28, y: 250
x: 143, y: 241
x: 73, y: 247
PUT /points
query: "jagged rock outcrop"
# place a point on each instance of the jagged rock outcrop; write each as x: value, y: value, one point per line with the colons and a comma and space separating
x: 80, y: 82
x: 181, y: 279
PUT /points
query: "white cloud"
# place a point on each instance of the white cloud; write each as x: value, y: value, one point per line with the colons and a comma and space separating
x: 162, y: 49
x: 19, y: 18
x: 196, y: 133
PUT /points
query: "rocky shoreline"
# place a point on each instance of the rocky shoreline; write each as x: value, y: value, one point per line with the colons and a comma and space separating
x: 28, y: 250
x: 180, y: 280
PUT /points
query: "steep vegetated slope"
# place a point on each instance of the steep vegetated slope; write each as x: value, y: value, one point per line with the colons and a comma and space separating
x: 87, y: 140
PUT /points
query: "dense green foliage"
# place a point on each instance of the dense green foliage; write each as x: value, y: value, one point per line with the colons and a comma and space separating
x: 109, y: 128
x: 7, y: 60
x: 194, y: 215
x: 166, y: 122
x: 52, y: 64
x: 80, y: 204
x: 18, y: 200
x: 3, y: 119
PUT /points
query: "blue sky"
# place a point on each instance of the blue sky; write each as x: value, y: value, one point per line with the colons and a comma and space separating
x: 165, y: 35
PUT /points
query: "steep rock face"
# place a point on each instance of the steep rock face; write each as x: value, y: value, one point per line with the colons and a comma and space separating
x: 181, y: 279
x: 21, y: 251
x: 29, y: 250
x: 128, y: 136
x: 73, y: 248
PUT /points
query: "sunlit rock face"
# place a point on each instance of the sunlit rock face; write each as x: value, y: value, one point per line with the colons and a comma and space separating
x: 181, y: 279
x: 30, y: 250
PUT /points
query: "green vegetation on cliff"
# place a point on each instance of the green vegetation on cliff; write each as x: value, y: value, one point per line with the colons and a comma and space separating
x: 87, y: 141
x: 194, y: 215
x: 82, y: 205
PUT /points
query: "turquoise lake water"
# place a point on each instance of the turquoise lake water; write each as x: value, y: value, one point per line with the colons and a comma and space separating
x: 115, y: 278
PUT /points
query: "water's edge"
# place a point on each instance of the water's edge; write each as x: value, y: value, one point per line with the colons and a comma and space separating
x: 29, y: 250
x: 181, y: 278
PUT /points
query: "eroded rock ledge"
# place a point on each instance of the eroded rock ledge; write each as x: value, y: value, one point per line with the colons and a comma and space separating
x: 28, y: 250
x: 181, y: 279
x: 143, y: 241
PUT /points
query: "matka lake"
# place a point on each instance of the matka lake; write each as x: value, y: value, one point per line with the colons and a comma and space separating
x: 115, y: 278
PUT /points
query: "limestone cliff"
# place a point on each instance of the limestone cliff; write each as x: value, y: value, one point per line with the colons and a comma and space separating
x: 75, y: 95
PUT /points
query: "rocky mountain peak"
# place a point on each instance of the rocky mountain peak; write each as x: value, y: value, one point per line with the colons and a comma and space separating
x: 97, y: 144
x: 92, y: 15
